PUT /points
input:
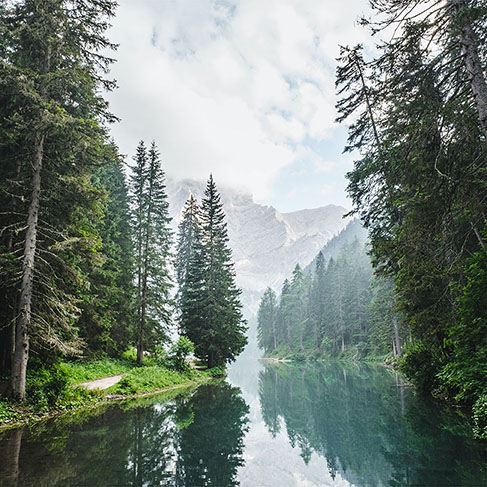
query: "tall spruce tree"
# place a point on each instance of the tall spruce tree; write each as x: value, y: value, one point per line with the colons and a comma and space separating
x: 188, y: 233
x: 211, y: 309
x: 267, y: 321
x: 152, y: 242
x: 50, y: 79
x: 106, y: 321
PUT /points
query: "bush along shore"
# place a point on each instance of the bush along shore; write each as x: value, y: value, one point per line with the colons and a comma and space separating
x: 61, y: 388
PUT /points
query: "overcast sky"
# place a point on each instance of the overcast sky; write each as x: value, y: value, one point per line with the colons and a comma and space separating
x: 243, y: 89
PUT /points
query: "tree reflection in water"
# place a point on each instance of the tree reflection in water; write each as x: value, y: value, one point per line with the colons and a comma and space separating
x: 194, y: 439
x: 369, y: 427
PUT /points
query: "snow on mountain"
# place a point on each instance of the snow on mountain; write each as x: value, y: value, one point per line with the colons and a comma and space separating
x: 266, y: 244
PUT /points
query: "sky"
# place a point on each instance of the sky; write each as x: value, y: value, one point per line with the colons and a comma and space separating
x: 243, y: 89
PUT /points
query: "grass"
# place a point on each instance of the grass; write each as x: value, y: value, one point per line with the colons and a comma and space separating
x: 150, y: 378
x: 153, y: 378
x: 83, y: 371
x: 56, y: 390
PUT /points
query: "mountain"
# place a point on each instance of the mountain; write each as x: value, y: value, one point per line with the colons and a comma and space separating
x: 266, y: 244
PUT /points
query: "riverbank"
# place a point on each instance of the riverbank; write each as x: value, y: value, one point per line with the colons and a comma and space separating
x: 348, y: 356
x: 64, y: 389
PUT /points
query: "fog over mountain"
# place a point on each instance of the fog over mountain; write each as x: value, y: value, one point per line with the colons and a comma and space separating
x: 266, y: 244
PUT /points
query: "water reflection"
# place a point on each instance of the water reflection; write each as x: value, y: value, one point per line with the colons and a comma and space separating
x: 193, y: 439
x: 371, y: 429
x: 286, y: 425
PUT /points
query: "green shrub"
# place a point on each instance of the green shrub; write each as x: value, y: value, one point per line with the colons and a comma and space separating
x: 8, y: 413
x: 420, y: 367
x: 130, y: 354
x: 179, y: 352
x: 480, y: 418
x: 219, y: 371
x: 45, y: 385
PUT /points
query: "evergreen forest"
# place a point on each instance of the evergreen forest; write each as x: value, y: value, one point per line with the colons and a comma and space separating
x: 86, y: 247
x: 93, y: 268
x: 417, y: 115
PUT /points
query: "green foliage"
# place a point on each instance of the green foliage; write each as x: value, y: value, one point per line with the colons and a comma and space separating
x: 324, y: 312
x: 480, y: 418
x: 219, y: 371
x: 465, y: 374
x: 152, y: 242
x: 108, y: 305
x: 267, y: 321
x: 179, y: 353
x: 420, y: 183
x: 420, y: 366
x: 51, y: 79
x: 210, y: 307
x: 45, y: 386
x: 8, y: 414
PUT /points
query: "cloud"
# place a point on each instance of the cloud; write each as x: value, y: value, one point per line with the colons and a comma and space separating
x: 233, y: 88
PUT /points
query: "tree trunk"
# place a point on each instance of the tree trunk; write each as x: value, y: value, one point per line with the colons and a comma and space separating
x: 9, y: 466
x: 148, y: 236
x: 140, y: 332
x: 211, y: 359
x: 21, y: 353
x: 471, y: 61
x: 274, y: 333
x: 138, y: 455
x: 397, y: 338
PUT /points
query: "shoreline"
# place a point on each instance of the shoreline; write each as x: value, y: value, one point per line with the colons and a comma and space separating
x: 33, y: 418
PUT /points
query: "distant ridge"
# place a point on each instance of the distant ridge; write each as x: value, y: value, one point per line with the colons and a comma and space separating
x: 266, y: 244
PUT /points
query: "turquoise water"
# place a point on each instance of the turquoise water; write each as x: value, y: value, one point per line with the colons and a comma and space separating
x: 274, y: 425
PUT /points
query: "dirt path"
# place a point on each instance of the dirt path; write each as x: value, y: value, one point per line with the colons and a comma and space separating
x: 103, y: 383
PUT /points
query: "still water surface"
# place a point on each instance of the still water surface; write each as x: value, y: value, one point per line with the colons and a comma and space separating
x: 267, y: 425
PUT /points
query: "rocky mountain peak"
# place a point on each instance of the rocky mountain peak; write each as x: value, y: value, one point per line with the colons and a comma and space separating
x: 266, y: 244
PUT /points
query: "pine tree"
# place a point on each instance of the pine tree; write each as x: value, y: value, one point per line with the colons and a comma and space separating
x: 106, y: 322
x: 317, y: 299
x: 188, y: 232
x: 193, y: 297
x: 211, y: 309
x: 284, y: 312
x: 267, y: 321
x: 137, y: 186
x: 152, y: 243
x: 51, y: 74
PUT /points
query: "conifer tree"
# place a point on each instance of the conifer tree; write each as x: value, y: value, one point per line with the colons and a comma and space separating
x: 137, y: 186
x: 106, y: 321
x: 211, y: 309
x: 153, y: 241
x: 51, y: 75
x: 188, y: 232
x: 267, y: 321
x: 317, y: 299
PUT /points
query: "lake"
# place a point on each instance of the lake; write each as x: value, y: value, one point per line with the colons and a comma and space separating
x: 266, y: 425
